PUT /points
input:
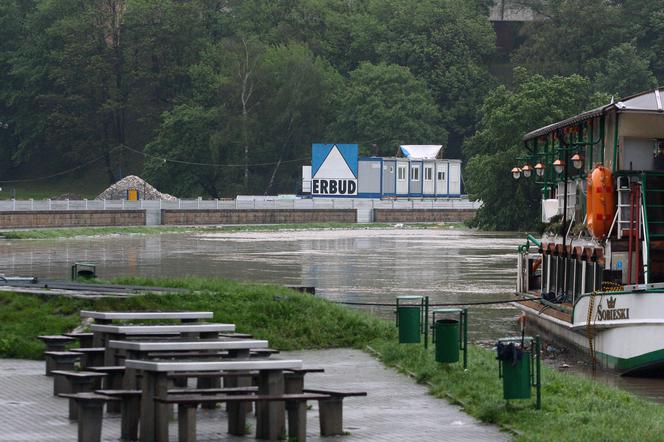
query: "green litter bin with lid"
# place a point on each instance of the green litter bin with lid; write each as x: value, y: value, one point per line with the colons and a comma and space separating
x: 447, y: 340
x: 409, y: 321
x: 516, y: 378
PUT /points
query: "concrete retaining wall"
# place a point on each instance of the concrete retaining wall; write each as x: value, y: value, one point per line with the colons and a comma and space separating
x: 250, y: 216
x: 422, y: 215
x: 71, y: 218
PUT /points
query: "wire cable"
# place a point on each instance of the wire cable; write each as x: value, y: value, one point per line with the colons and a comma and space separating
x: 193, y: 163
x: 64, y: 172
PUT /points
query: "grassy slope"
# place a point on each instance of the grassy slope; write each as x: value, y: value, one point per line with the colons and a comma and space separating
x: 573, y: 408
x: 97, y: 231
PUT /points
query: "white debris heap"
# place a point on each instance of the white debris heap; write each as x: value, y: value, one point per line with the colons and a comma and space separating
x: 118, y: 191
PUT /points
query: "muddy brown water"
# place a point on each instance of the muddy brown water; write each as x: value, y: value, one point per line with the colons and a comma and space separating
x: 357, y: 265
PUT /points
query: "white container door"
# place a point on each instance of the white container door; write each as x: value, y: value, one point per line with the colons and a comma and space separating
x: 455, y: 179
x: 402, y: 178
x: 441, y: 178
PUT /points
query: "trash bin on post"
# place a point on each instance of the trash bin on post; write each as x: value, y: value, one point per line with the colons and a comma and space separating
x: 412, y: 317
x: 450, y: 335
x: 519, y: 367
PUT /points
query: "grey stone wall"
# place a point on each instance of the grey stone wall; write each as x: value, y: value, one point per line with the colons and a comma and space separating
x: 71, y: 218
x: 256, y: 216
x: 422, y: 215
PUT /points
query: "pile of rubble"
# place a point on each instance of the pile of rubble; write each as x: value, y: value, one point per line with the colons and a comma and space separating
x: 118, y: 191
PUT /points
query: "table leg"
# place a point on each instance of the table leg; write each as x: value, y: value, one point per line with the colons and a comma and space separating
x: 109, y: 354
x: 129, y: 381
x: 154, y: 416
x: 270, y: 415
x: 162, y: 412
x: 297, y: 410
x: 147, y: 426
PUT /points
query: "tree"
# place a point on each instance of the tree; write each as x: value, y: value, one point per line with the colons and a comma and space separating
x: 252, y: 106
x: 616, y: 43
x: 387, y: 106
x: 506, y: 115
x: 624, y: 72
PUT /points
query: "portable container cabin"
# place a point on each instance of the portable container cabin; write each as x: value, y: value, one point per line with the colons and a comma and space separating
x: 338, y: 172
x: 369, y: 177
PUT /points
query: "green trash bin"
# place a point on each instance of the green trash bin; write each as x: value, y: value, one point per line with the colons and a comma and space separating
x: 516, y: 378
x: 409, y: 320
x: 447, y: 340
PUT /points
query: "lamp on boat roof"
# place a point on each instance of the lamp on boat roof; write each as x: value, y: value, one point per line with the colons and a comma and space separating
x: 559, y: 166
x: 539, y: 169
x: 516, y: 173
x: 527, y: 170
x: 577, y: 161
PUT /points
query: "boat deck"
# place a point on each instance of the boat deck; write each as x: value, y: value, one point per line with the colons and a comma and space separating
x: 562, y: 311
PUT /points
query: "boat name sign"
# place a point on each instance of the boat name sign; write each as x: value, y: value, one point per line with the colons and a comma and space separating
x: 611, y: 313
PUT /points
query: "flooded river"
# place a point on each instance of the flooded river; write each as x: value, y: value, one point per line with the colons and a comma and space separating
x: 358, y: 265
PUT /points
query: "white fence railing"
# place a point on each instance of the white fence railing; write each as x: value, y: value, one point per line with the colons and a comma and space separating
x: 244, y: 203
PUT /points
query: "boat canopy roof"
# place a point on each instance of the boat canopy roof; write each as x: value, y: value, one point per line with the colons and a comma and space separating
x: 646, y: 102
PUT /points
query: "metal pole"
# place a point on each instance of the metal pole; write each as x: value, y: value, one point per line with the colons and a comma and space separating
x: 564, y: 226
x: 538, y: 379
x: 426, y: 322
x: 465, y: 338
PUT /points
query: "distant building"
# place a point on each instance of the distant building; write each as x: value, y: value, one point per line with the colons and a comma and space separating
x: 338, y: 171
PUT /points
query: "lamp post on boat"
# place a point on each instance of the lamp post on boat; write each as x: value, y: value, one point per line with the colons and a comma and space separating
x: 560, y: 166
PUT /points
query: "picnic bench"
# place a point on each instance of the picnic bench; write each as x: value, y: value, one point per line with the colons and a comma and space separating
x: 297, y: 412
x: 154, y: 415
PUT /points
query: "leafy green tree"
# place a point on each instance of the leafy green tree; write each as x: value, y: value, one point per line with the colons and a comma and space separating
x: 616, y: 43
x: 624, y: 72
x: 387, y: 106
x: 507, y: 115
x: 253, y: 112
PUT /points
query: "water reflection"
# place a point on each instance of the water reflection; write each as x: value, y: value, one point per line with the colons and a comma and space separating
x: 353, y: 265
x: 349, y: 265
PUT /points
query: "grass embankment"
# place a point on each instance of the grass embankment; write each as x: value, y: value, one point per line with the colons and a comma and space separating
x: 573, y: 408
x: 153, y: 230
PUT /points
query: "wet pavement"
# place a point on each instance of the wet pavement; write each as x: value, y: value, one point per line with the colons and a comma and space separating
x: 396, y: 408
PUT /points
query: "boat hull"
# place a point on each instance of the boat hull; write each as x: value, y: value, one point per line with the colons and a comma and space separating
x: 625, y: 329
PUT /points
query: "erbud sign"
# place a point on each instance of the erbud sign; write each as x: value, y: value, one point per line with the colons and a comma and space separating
x: 334, y: 169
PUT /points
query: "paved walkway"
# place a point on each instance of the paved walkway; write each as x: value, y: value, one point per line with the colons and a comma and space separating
x: 396, y: 408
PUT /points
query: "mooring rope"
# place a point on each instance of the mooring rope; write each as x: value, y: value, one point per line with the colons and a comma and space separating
x: 590, y: 331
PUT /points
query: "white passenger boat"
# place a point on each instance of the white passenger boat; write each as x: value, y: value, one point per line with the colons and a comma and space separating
x: 596, y: 279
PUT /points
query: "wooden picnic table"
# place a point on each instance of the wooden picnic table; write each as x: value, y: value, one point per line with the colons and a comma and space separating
x: 154, y: 415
